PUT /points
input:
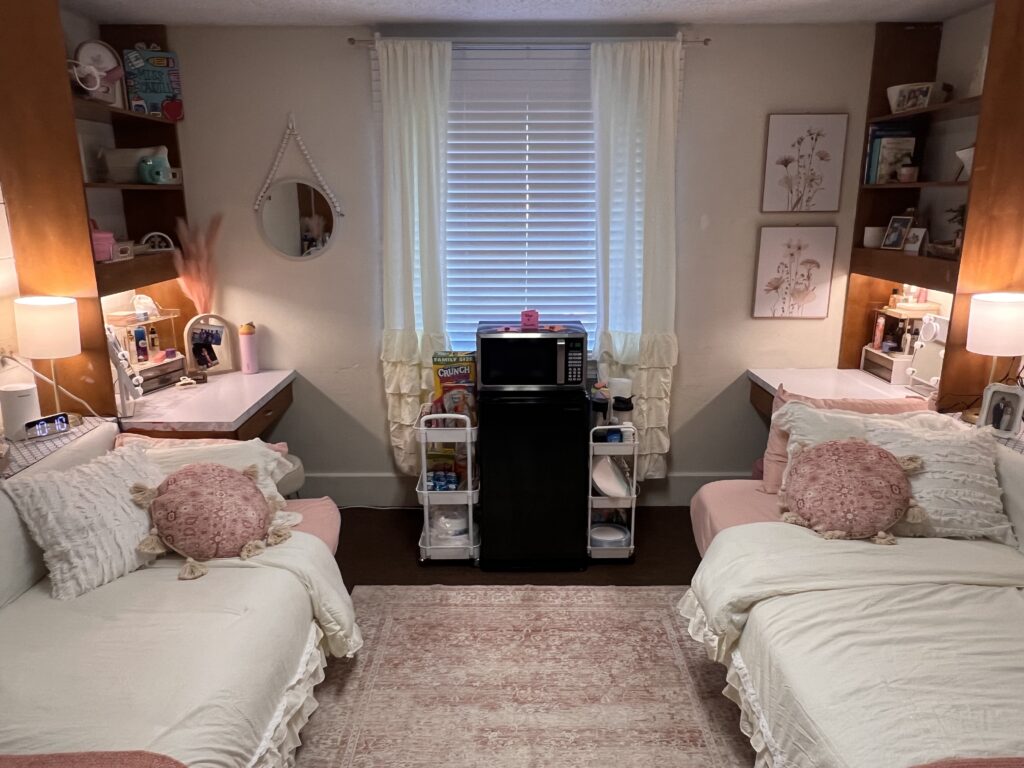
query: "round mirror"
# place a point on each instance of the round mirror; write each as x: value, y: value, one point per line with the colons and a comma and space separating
x: 296, y: 219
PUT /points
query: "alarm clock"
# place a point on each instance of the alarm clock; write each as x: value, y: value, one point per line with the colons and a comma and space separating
x: 53, y: 425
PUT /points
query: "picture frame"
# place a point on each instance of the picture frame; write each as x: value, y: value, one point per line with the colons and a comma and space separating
x: 916, y: 240
x: 1003, y: 403
x: 913, y: 96
x: 896, y: 233
x: 211, y: 345
x: 794, y: 272
x: 803, y: 164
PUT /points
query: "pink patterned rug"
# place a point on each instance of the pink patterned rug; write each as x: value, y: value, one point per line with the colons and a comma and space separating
x: 523, y: 677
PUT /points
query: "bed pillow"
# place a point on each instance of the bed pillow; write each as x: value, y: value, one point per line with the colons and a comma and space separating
x: 847, y: 489
x: 957, y: 486
x: 775, y: 456
x: 147, y: 442
x: 809, y: 426
x: 205, y: 511
x: 238, y: 455
x: 84, y: 519
x: 1010, y: 468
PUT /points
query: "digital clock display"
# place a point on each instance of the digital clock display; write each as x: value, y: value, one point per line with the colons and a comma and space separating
x: 48, y: 426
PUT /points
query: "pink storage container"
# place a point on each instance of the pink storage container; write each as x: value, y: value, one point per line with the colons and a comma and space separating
x: 102, y: 244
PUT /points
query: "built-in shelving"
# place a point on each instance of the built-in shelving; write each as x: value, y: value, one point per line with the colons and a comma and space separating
x: 948, y: 110
x: 97, y: 111
x: 902, y: 267
x: 913, y: 185
x: 134, y: 187
x: 117, y: 276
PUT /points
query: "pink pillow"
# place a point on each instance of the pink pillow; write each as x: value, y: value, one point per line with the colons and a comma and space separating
x: 204, y: 511
x: 847, y: 489
x: 775, y: 457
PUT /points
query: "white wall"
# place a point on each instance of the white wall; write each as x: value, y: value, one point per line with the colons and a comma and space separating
x: 324, y: 317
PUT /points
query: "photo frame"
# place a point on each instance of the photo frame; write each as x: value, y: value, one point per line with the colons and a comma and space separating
x: 211, y: 345
x: 916, y: 240
x: 1001, y: 409
x: 912, y: 96
x: 803, y: 165
x: 794, y: 272
x: 896, y: 233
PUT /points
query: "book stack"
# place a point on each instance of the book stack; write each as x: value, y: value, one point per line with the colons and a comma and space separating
x: 889, y: 147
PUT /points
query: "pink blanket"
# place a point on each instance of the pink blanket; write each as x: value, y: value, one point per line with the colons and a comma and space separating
x: 90, y: 760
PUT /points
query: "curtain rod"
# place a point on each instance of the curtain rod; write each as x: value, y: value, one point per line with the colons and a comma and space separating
x: 369, y: 42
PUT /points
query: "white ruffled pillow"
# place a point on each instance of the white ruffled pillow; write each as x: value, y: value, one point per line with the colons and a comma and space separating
x: 241, y: 455
x: 1010, y: 468
x: 808, y: 426
x: 957, y: 486
x: 85, y: 521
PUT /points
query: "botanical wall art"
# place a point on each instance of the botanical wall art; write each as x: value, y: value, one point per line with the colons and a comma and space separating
x: 803, y: 168
x: 794, y: 272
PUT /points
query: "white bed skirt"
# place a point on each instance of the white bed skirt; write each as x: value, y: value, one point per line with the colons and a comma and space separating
x: 281, y: 739
x: 738, y: 689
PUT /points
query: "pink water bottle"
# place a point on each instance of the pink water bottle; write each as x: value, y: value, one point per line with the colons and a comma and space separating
x: 247, y: 348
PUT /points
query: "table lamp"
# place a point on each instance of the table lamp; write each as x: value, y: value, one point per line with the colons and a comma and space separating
x: 47, y: 330
x: 996, y: 326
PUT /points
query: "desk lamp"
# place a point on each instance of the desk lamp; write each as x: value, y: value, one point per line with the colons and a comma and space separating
x: 996, y: 326
x: 47, y: 330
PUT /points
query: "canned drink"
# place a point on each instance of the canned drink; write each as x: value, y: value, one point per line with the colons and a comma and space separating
x: 451, y: 481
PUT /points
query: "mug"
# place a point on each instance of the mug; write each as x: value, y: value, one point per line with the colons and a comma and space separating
x: 907, y: 174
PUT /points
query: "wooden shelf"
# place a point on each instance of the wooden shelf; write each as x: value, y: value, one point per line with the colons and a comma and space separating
x: 98, y: 112
x: 914, y: 185
x: 902, y: 267
x: 116, y: 276
x: 136, y: 187
x: 948, y: 110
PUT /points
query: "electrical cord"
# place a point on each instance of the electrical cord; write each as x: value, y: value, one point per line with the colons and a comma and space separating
x: 48, y: 380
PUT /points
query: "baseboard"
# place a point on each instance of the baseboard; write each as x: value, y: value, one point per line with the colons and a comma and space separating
x: 384, y: 489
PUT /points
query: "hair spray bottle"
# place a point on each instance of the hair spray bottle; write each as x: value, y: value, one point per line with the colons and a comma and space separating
x: 247, y: 348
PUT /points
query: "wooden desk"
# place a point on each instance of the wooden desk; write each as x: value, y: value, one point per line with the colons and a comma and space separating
x: 825, y: 383
x: 230, y: 405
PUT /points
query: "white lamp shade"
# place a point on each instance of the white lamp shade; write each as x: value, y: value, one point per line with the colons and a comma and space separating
x: 996, y: 326
x: 47, y: 327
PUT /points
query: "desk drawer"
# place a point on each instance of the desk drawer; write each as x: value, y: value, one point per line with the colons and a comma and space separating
x: 267, y: 416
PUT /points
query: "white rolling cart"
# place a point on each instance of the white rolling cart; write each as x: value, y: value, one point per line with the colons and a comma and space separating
x: 629, y: 448
x: 434, y: 429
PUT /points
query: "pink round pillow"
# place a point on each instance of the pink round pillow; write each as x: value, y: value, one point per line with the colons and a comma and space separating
x: 847, y: 489
x: 206, y: 511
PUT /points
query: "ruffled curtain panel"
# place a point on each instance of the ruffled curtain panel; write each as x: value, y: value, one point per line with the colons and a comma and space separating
x: 635, y: 87
x: 414, y: 84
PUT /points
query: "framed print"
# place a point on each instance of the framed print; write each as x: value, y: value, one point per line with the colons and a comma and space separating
x: 803, y: 167
x: 917, y: 237
x: 794, y: 272
x: 1001, y: 409
x: 896, y: 233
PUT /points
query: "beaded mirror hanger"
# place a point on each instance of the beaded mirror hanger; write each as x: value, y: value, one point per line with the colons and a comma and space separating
x: 289, y: 133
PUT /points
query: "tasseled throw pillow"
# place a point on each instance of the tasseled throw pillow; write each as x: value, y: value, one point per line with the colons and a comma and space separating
x: 207, y: 511
x: 849, y: 489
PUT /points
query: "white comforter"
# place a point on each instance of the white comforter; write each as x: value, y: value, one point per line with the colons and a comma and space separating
x: 196, y: 670
x: 847, y: 653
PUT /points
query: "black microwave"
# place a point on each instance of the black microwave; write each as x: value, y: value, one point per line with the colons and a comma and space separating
x: 553, y: 356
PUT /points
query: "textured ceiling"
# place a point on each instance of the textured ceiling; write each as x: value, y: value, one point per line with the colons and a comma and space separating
x: 360, y: 12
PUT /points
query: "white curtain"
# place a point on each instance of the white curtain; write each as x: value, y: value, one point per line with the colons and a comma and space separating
x: 635, y: 88
x: 414, y: 84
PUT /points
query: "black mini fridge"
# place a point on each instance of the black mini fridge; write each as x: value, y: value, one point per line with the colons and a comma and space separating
x: 533, y: 479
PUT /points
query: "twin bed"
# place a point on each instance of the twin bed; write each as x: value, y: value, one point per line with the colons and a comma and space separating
x: 845, y: 654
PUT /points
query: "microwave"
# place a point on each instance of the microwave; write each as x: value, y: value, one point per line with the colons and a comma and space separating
x: 553, y: 356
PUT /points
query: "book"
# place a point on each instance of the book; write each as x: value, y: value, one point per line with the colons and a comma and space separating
x: 875, y: 134
x: 893, y: 152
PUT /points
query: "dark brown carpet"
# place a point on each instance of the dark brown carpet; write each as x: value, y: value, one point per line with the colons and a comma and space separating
x: 379, y: 546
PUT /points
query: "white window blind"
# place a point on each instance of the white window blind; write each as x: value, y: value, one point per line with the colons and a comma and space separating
x: 521, y: 187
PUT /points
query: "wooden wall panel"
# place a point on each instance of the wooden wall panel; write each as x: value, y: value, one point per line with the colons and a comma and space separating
x: 993, y: 253
x: 42, y: 180
x: 863, y: 296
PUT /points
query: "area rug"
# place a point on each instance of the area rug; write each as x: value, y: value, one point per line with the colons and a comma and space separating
x: 523, y: 677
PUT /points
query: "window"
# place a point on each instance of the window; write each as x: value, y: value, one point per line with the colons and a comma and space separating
x: 521, y: 223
